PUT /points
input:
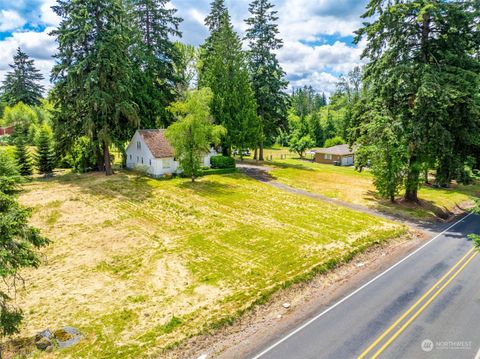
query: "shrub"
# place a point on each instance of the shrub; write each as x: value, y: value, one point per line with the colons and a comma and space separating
x: 81, y: 157
x: 334, y: 142
x: 221, y: 162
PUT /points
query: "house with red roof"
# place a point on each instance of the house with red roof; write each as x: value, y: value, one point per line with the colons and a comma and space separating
x: 151, y: 152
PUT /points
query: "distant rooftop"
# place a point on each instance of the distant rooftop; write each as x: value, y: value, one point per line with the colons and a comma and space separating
x: 340, y: 150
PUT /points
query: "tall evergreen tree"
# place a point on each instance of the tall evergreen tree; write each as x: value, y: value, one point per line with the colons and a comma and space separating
x: 94, y: 76
x: 22, y: 83
x: 18, y: 244
x: 233, y: 104
x: 218, y: 11
x: 155, y: 58
x: 268, y: 78
x: 422, y: 71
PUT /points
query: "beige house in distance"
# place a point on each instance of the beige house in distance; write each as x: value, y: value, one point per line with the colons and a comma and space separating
x: 341, y: 155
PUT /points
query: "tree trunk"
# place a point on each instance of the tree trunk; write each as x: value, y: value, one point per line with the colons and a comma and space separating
x: 108, y: 160
x: 392, y: 198
x: 260, y: 156
x: 193, y: 178
x: 100, y: 159
x: 426, y: 177
x: 255, y: 154
x: 411, y: 186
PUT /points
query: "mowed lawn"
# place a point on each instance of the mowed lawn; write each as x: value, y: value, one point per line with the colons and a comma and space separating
x: 139, y: 264
x: 346, y: 184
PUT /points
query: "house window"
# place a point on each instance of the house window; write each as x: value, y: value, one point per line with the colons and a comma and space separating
x: 138, y: 159
x: 130, y: 157
x: 328, y: 156
x: 166, y: 163
x: 150, y: 161
x: 142, y: 160
x: 139, y: 145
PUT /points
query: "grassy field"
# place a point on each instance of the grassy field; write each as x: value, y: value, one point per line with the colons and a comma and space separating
x: 139, y: 264
x: 346, y: 184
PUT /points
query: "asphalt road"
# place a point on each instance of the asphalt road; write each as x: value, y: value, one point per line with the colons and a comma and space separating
x: 426, y: 306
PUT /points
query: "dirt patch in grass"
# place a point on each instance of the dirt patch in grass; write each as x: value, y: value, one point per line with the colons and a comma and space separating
x: 139, y: 265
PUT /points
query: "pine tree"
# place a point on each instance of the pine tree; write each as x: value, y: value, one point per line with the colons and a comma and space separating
x: 155, y: 58
x: 22, y: 83
x: 217, y: 11
x: 18, y: 242
x: 268, y: 78
x: 233, y: 103
x: 94, y: 76
x: 24, y: 162
x: 45, y: 158
x: 213, y: 21
x: 422, y: 72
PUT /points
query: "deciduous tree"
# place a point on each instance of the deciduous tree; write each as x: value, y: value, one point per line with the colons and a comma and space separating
x: 193, y: 134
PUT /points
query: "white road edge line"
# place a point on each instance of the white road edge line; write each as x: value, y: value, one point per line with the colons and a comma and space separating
x: 478, y: 354
x: 358, y: 290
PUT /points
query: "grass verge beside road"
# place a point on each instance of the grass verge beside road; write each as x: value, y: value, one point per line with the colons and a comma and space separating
x: 346, y: 184
x: 139, y: 264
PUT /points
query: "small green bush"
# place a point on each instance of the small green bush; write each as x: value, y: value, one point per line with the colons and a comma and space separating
x: 221, y: 162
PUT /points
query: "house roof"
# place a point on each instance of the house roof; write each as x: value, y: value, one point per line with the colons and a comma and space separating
x: 340, y: 150
x: 157, y: 143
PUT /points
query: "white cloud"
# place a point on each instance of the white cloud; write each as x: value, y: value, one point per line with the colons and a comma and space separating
x: 305, y: 26
x: 47, y: 15
x: 10, y: 20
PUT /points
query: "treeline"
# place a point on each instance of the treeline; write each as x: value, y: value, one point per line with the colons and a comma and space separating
x: 30, y: 115
x: 314, y: 121
x: 418, y: 111
x: 118, y: 69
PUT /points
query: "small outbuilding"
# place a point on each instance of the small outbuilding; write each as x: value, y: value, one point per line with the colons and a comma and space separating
x: 341, y: 155
x: 151, y: 151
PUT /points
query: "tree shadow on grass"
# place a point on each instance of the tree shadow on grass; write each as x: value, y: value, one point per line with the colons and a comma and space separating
x: 121, y: 186
x: 297, y: 166
x: 405, y: 209
x: 206, y: 187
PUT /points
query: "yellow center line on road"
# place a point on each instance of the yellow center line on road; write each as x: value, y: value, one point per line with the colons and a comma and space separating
x: 437, y: 293
x: 394, y: 325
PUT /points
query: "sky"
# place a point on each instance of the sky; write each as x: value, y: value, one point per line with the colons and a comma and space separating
x: 317, y: 34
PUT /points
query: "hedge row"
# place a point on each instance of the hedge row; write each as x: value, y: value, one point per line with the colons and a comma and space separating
x: 220, y: 162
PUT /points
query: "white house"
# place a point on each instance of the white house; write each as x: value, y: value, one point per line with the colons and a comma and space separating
x: 151, y: 150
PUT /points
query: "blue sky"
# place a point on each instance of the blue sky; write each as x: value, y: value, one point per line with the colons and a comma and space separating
x: 317, y: 34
